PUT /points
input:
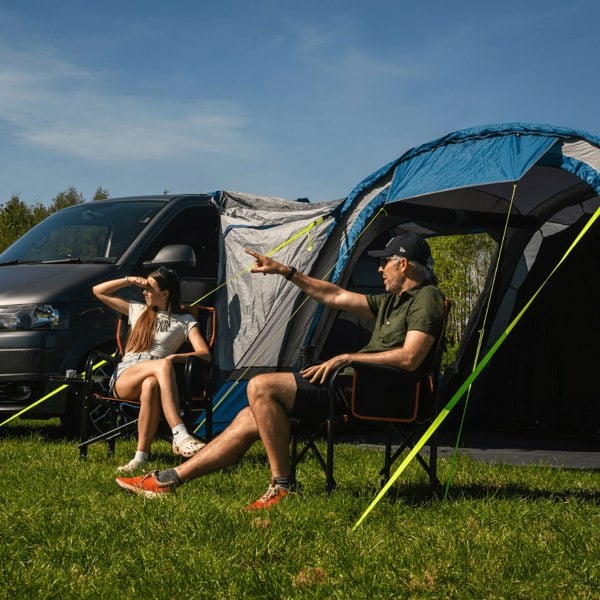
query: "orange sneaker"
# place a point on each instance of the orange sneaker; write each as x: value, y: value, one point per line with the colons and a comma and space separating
x: 146, y: 485
x: 274, y: 495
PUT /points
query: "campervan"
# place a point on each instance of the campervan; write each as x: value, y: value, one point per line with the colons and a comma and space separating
x: 49, y: 319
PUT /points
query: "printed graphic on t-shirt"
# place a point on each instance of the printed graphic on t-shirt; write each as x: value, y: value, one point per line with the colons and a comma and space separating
x: 162, y: 325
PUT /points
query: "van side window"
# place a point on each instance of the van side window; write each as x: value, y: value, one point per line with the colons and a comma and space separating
x: 198, y: 227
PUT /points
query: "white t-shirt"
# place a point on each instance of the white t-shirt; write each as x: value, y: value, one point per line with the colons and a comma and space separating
x: 169, y: 333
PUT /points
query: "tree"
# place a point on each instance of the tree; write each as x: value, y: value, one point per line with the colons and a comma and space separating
x: 461, y: 266
x: 15, y: 219
x: 101, y: 194
x: 69, y: 197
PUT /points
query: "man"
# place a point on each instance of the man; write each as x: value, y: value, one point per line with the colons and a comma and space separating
x: 408, y: 318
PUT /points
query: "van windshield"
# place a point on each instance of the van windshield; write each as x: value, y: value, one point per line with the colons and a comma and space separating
x: 98, y: 231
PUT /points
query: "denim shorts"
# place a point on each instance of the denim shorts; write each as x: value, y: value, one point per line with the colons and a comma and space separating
x: 125, y: 364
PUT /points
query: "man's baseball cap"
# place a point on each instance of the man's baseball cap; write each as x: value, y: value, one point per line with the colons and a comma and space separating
x: 406, y: 245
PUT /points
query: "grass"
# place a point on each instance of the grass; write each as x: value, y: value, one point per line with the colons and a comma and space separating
x: 67, y: 531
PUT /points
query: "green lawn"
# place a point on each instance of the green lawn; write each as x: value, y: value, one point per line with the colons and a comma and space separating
x: 67, y: 531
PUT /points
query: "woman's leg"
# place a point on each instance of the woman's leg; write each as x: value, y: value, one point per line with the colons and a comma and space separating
x: 129, y: 386
x: 149, y: 415
x: 148, y: 419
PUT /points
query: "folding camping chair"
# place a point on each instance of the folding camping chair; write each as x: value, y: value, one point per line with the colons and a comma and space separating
x: 107, y: 418
x: 403, y: 402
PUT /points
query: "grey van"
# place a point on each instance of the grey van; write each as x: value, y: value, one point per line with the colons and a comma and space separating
x: 49, y: 319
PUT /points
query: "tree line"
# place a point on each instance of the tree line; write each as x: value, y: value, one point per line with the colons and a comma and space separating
x: 461, y: 262
x: 18, y: 217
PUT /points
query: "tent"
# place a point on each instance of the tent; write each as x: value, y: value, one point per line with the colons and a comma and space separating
x: 542, y: 379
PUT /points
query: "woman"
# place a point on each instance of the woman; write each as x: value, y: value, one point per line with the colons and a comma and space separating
x: 158, y: 329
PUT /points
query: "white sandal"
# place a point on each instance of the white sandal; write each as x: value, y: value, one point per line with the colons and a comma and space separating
x: 188, y: 447
x: 132, y: 465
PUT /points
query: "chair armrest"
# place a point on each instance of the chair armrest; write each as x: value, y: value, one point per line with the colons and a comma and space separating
x: 195, y: 362
x: 93, y: 358
x: 386, y: 370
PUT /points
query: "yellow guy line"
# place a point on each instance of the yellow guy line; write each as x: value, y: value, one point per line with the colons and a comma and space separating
x: 275, y: 334
x: 55, y: 391
x: 463, y: 388
x: 480, y: 338
x: 292, y: 238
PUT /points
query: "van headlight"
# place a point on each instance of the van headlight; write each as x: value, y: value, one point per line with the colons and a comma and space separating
x: 34, y: 316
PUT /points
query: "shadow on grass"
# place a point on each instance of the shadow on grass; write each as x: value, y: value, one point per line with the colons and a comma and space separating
x: 422, y: 494
x: 46, y: 431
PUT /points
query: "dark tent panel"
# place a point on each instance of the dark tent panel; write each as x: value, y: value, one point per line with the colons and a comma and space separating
x: 544, y: 378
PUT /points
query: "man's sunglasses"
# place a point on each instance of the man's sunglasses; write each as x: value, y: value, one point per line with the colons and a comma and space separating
x: 384, y: 261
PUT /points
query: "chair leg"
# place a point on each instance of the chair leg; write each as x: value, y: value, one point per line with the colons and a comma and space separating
x: 434, y: 482
x: 293, y: 453
x: 407, y: 442
x: 84, y: 431
x: 111, y: 441
x: 387, y: 461
x: 296, y: 456
x: 109, y: 436
x: 329, y: 479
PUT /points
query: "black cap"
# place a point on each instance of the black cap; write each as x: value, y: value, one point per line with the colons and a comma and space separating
x: 408, y: 245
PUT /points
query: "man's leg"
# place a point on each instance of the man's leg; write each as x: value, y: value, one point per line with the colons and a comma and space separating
x: 271, y: 397
x: 222, y: 451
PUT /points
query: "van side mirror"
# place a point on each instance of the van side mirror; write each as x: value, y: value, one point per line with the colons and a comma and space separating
x: 174, y: 255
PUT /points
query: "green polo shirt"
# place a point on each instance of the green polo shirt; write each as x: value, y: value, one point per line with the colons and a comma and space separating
x: 420, y: 308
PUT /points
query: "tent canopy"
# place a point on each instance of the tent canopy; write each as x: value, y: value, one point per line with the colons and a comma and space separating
x: 465, y: 182
x: 549, y: 178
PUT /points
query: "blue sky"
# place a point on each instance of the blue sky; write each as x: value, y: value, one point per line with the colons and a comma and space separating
x: 274, y: 97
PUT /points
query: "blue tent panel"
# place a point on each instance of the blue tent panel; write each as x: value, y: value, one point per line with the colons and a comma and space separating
x: 228, y: 401
x: 470, y: 162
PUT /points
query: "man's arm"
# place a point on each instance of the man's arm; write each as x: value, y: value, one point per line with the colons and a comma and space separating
x: 324, y: 292
x: 409, y: 357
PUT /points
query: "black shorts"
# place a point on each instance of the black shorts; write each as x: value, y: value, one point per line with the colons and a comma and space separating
x: 312, y: 399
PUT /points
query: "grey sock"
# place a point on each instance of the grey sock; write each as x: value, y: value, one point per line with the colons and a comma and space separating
x: 168, y: 476
x: 284, y: 482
